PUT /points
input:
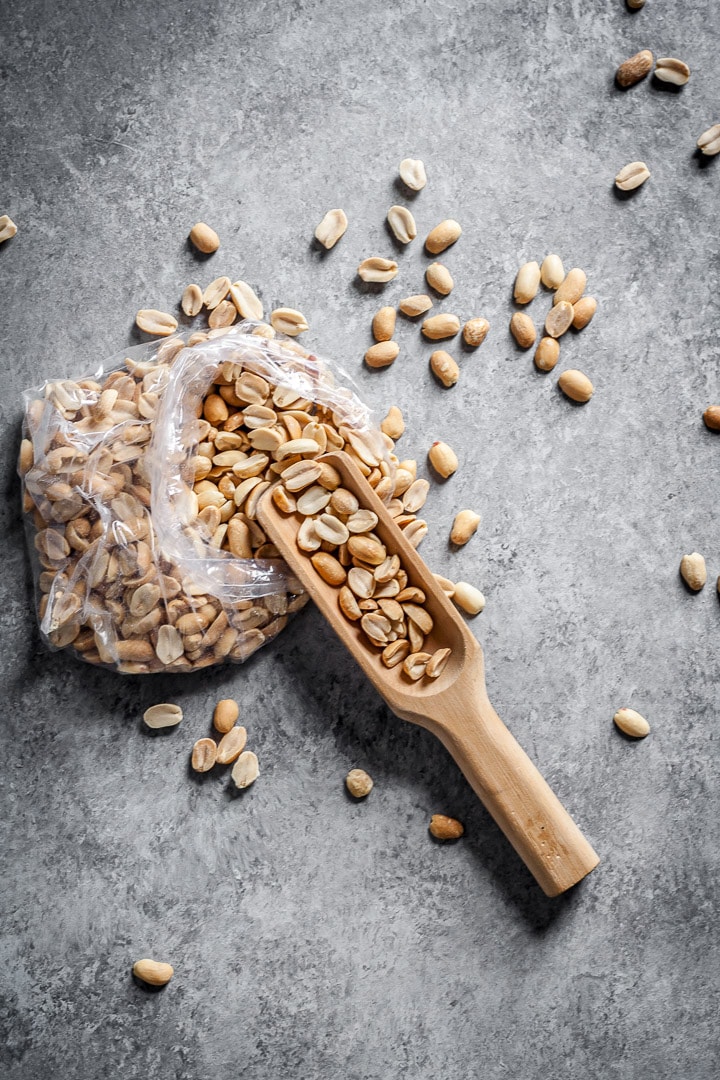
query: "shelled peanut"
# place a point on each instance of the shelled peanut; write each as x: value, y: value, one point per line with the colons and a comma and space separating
x: 373, y: 587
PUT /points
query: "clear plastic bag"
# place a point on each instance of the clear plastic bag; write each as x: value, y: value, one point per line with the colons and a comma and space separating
x: 140, y: 488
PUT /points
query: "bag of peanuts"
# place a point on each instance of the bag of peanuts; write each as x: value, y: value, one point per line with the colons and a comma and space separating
x: 141, y: 484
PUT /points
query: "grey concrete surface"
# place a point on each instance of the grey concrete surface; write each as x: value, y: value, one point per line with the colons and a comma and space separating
x: 311, y: 936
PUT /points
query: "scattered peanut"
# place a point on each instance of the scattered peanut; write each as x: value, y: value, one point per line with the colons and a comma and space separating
x: 393, y: 424
x: 331, y: 228
x: 192, y: 300
x: 231, y: 745
x: 158, y: 323
x: 635, y: 68
x: 552, y: 272
x: 415, y: 305
x: 8, y: 228
x: 382, y: 355
x: 445, y: 828
x: 442, y: 236
x: 709, y: 141
x: 443, y: 459
x: 216, y: 291
x: 153, y: 972
x: 163, y: 716
x: 670, y: 70
x: 464, y: 526
x: 225, y: 714
x: 632, y: 176
x: 358, y: 783
x: 547, y: 354
x: 467, y: 597
x: 245, y: 770
x: 288, y: 321
x: 635, y: 5
x: 443, y: 366
x: 572, y: 287
x: 583, y: 311
x: 438, y: 327
x: 247, y: 302
x: 439, y: 278
x: 377, y: 269
x: 204, y: 755
x: 527, y: 283
x: 204, y: 238
x: 224, y: 314
x: 412, y: 173
x: 559, y: 319
x: 523, y: 330
x: 711, y: 416
x: 402, y: 224
x: 631, y: 723
x: 576, y: 386
x: 383, y: 324
x: 693, y: 571
x: 475, y: 331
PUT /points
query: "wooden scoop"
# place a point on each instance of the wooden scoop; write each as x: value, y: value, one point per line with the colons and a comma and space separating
x: 455, y: 706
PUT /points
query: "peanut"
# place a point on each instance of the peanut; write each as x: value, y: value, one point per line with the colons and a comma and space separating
x: 412, y: 173
x: 225, y: 714
x: 358, y: 783
x: 393, y: 424
x: 8, y: 228
x: 693, y: 571
x: 475, y: 331
x: 163, y: 716
x: 377, y: 269
x: 631, y: 723
x: 158, y: 323
x: 635, y: 5
x: 442, y: 236
x: 204, y: 755
x: 445, y: 828
x: 153, y: 972
x: 216, y: 291
x: 443, y: 459
x: 711, y: 417
x: 572, y: 287
x: 439, y: 278
x: 552, y: 272
x: 467, y: 597
x: 246, y: 770
x: 632, y: 176
x: 248, y: 304
x: 523, y: 330
x: 670, y: 70
x: 444, y: 367
x: 583, y: 311
x: 547, y: 354
x: 382, y: 355
x: 402, y: 224
x: 634, y: 69
x: 559, y: 319
x: 415, y: 305
x: 224, y: 314
x: 231, y: 745
x: 709, y: 141
x: 383, y: 324
x: 331, y: 228
x: 527, y: 283
x: 288, y: 321
x: 204, y: 238
x: 192, y: 300
x: 464, y: 526
x: 438, y: 327
x: 576, y: 386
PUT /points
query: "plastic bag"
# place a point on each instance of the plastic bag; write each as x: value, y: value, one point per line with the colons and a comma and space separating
x: 140, y: 488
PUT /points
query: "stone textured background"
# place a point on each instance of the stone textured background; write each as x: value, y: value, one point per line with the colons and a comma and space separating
x: 312, y: 936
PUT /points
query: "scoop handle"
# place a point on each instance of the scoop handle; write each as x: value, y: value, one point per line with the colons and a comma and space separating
x: 513, y: 791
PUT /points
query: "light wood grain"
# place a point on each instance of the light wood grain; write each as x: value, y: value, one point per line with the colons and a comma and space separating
x: 455, y: 707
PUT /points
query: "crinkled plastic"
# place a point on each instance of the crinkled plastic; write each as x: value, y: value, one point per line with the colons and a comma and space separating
x: 138, y: 482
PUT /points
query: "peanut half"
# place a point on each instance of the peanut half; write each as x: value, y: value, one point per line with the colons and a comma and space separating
x: 669, y: 69
x: 204, y: 238
x: 216, y: 291
x: 693, y: 571
x: 442, y: 236
x: 709, y: 141
x: 246, y: 301
x: 377, y: 269
x: 204, y: 755
x: 634, y: 69
x: 157, y: 323
x: 393, y: 424
x: 631, y: 723
x: 192, y: 300
x: 412, y: 173
x: 8, y: 228
x: 288, y: 321
x: 632, y: 176
x: 331, y: 228
x: 163, y: 716
x: 245, y: 770
x: 402, y: 224
x: 559, y: 319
